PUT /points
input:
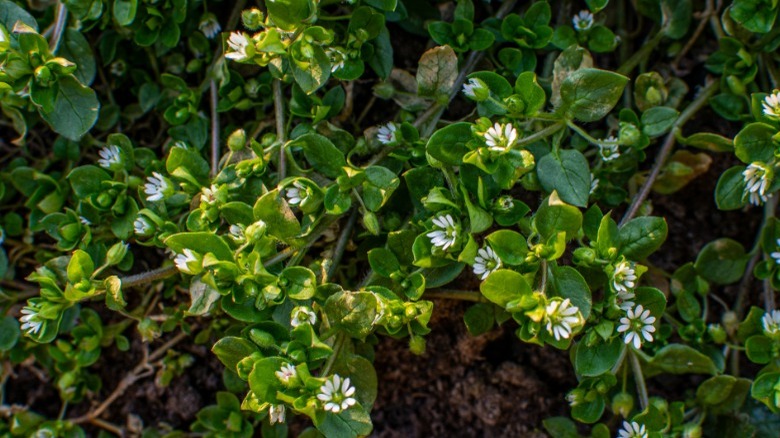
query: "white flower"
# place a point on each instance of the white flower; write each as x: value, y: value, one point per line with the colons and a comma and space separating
x: 209, y: 25
x: 302, y: 314
x: 776, y: 254
x: 209, y: 194
x: 632, y: 430
x: 336, y: 394
x: 772, y: 105
x: 561, y: 316
x: 624, y: 300
x: 237, y: 43
x: 109, y: 156
x: 594, y: 184
x: 31, y: 321
x: 757, y: 177
x: 386, y: 134
x: 469, y: 87
x: 624, y: 277
x: 297, y: 194
x: 286, y: 373
x: 182, y: 261
x: 276, y: 414
x: 582, y: 21
x: 236, y: 232
x: 500, y: 138
x: 156, y: 187
x: 445, y: 233
x: 142, y: 226
x: 609, y: 149
x: 486, y: 262
x: 771, y: 323
x: 337, y: 57
x: 84, y: 221
x: 637, y: 324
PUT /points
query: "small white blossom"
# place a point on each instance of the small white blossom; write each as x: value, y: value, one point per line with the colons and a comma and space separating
x: 209, y: 194
x: 500, y: 138
x: 637, y: 324
x: 302, y: 314
x: 297, y: 194
x: 209, y: 25
x: 624, y: 278
x: 561, y: 316
x: 30, y: 319
x: 771, y: 105
x: 609, y: 149
x: 109, y: 156
x: 632, y: 430
x: 142, y: 226
x: 475, y: 89
x: 236, y: 232
x: 336, y: 394
x: 771, y: 323
x: 287, y: 373
x: 156, y: 187
x: 757, y: 178
x: 84, y: 221
x: 582, y: 21
x: 446, y: 233
x: 182, y: 261
x: 625, y: 298
x: 386, y: 133
x: 237, y: 43
x: 118, y: 68
x: 594, y: 184
x: 776, y: 254
x: 276, y: 414
x: 337, y: 57
x: 486, y: 262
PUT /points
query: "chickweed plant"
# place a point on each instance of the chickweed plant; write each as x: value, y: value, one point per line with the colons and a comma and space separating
x: 283, y: 183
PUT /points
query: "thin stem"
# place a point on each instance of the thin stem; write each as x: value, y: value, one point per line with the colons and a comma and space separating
x: 584, y: 134
x: 538, y: 135
x: 640, y: 55
x: 666, y: 149
x: 148, y: 276
x: 639, y: 378
x: 341, y: 244
x: 281, y: 133
x: 451, y: 294
x: 214, y: 129
x: 769, y: 293
x: 337, y: 346
x: 59, y: 26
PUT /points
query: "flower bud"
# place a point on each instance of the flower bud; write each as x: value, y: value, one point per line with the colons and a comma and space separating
x: 653, y: 96
x: 622, y: 404
x: 43, y: 76
x: 237, y: 140
x: 384, y: 90
x: 515, y: 104
x: 735, y: 85
x: 476, y: 90
x: 629, y: 134
x: 371, y: 223
x: 584, y: 256
x: 417, y: 344
x: 692, y: 430
x: 252, y: 18
x: 717, y: 333
x: 262, y: 338
x: 255, y: 231
x: 116, y: 253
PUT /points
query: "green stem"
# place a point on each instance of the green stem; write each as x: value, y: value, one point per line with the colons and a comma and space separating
x: 639, y: 378
x: 451, y: 294
x: 640, y: 55
x: 666, y: 149
x: 334, y: 17
x: 536, y: 136
x: 338, y: 344
x: 281, y: 133
x: 341, y: 244
x: 214, y: 128
x: 148, y: 276
x: 585, y: 135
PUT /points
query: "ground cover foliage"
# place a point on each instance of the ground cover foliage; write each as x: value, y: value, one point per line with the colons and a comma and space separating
x: 287, y: 182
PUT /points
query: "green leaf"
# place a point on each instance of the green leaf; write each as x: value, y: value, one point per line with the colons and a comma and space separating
x: 503, y: 286
x: 722, y: 261
x: 760, y: 349
x: 86, y: 180
x: 74, y: 47
x: 479, y: 318
x: 203, y: 298
x: 756, y: 16
x: 568, y: 173
x: 80, y: 267
x: 278, y: 216
x: 75, y: 111
x: 590, y: 94
x: 352, y: 312
x: 383, y: 261
x: 301, y: 283
x: 556, y: 216
x: 436, y: 72
x: 349, y: 423
x: 321, y: 153
x: 202, y: 242
x: 658, y: 120
x: 289, y: 14
x: 510, y: 246
x: 730, y: 190
x: 723, y: 394
x: 314, y: 73
x: 448, y: 144
x: 9, y: 330
x: 560, y: 427
x: 10, y: 13
x: 567, y: 282
x: 754, y: 143
x: 681, y: 359
x: 676, y: 17
x: 642, y: 236
x: 124, y: 11
x: 263, y: 381
x: 231, y: 349
x: 595, y: 360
